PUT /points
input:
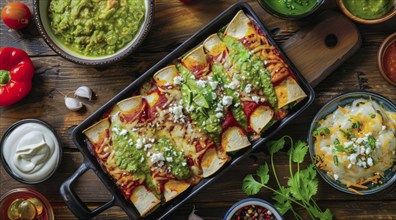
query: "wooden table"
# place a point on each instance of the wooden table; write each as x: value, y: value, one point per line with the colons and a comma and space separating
x: 175, y: 22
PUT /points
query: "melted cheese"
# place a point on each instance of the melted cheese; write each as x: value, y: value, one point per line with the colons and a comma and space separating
x: 355, y: 166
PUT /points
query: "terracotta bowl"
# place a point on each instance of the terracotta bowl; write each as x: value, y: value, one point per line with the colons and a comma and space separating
x: 40, y: 9
x: 387, y: 16
x: 388, y: 41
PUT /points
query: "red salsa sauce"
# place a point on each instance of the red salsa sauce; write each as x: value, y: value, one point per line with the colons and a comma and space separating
x: 389, y: 61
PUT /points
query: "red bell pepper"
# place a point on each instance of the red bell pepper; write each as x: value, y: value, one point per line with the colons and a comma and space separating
x: 16, y: 73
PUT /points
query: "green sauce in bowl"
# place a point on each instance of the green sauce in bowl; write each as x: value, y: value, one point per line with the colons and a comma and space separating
x: 369, y: 9
x: 96, y: 28
x: 291, y: 7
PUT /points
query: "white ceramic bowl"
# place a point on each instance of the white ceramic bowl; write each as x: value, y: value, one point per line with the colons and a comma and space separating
x: 252, y: 201
x: 40, y: 8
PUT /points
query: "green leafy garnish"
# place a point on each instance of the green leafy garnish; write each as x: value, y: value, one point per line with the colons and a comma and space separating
x: 356, y: 125
x: 371, y: 142
x: 335, y: 159
x: 321, y: 131
x: 302, y: 185
x: 348, y: 135
x: 372, y: 115
x: 336, y: 141
x: 339, y: 148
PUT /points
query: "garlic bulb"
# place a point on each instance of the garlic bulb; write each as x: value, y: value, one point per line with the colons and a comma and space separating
x: 83, y: 92
x: 73, y: 104
x: 194, y: 216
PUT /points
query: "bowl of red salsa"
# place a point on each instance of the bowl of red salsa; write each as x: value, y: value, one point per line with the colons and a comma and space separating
x: 387, y: 59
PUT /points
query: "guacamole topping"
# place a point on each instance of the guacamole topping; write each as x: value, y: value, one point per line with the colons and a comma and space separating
x: 251, y: 67
x: 176, y: 162
x: 369, y: 9
x: 198, y: 100
x: 236, y: 109
x: 133, y: 154
x: 291, y: 7
x: 95, y: 27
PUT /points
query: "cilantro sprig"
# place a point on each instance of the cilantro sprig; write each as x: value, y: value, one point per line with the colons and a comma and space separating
x: 301, y: 187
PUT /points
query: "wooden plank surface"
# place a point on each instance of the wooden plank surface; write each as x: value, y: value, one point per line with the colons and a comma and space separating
x: 177, y: 22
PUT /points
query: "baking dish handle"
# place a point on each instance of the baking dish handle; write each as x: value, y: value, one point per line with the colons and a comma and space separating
x: 78, y: 207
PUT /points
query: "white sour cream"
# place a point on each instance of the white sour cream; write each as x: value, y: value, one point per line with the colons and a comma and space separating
x: 31, y: 151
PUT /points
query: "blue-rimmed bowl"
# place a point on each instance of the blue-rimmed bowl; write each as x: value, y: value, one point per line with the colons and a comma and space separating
x: 342, y: 100
x: 252, y: 201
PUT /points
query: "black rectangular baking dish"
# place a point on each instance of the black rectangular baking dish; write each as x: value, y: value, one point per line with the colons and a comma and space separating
x: 90, y: 161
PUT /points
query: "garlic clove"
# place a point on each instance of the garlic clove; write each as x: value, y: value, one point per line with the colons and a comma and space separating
x: 83, y: 92
x: 73, y: 104
x: 194, y: 216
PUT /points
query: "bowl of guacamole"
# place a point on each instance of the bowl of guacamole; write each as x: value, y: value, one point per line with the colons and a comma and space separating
x: 291, y: 9
x: 368, y: 11
x: 93, y: 32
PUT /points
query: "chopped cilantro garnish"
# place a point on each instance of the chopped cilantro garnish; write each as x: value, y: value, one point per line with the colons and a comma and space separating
x: 321, y: 131
x: 339, y: 148
x: 335, y: 159
x: 336, y: 141
x: 372, y: 115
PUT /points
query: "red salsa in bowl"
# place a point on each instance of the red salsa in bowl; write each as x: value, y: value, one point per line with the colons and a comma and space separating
x: 387, y: 59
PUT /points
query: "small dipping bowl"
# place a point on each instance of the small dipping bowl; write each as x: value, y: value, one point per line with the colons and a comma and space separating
x: 268, y: 8
x: 387, y: 16
x: 385, y: 48
x: 389, y: 177
x: 3, y: 147
x: 25, y: 193
x: 249, y: 202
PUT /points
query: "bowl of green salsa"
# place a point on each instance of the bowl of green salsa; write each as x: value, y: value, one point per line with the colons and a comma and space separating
x: 368, y: 11
x: 291, y: 9
x: 93, y: 32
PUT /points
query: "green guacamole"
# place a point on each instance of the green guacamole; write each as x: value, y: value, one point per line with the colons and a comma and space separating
x: 252, y: 68
x: 200, y: 102
x: 291, y: 7
x: 369, y: 9
x: 96, y: 28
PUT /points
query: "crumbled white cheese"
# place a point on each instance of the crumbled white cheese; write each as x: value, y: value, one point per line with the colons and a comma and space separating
x: 237, y: 104
x: 213, y: 84
x: 262, y: 99
x: 219, y: 115
x: 184, y: 164
x: 139, y: 143
x: 123, y: 132
x: 177, y: 112
x: 335, y: 177
x: 219, y: 107
x: 349, y: 166
x: 248, y: 88
x: 383, y: 127
x: 178, y: 80
x: 227, y: 100
x: 214, y: 95
x: 370, y: 162
x: 352, y: 158
x: 169, y: 159
x: 147, y: 146
x: 156, y: 157
x: 256, y: 99
x: 265, y: 62
x: 201, y: 83
x: 232, y: 85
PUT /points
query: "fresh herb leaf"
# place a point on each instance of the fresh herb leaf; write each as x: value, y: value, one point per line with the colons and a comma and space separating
x: 276, y: 145
x: 339, y: 148
x: 299, y: 152
x: 348, y: 135
x: 326, y: 215
x: 321, y: 131
x: 304, y: 185
x: 283, y: 204
x: 262, y: 172
x: 372, y: 115
x: 371, y: 142
x: 335, y: 159
x: 250, y: 186
x: 336, y: 141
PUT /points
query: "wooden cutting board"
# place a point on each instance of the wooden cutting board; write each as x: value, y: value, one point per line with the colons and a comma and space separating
x: 321, y: 48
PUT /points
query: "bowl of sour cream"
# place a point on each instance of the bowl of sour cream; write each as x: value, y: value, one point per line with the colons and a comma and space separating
x: 31, y: 151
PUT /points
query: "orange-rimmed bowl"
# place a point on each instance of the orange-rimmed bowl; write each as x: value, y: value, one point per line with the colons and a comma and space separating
x: 345, y: 10
x: 381, y: 52
x: 25, y: 193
